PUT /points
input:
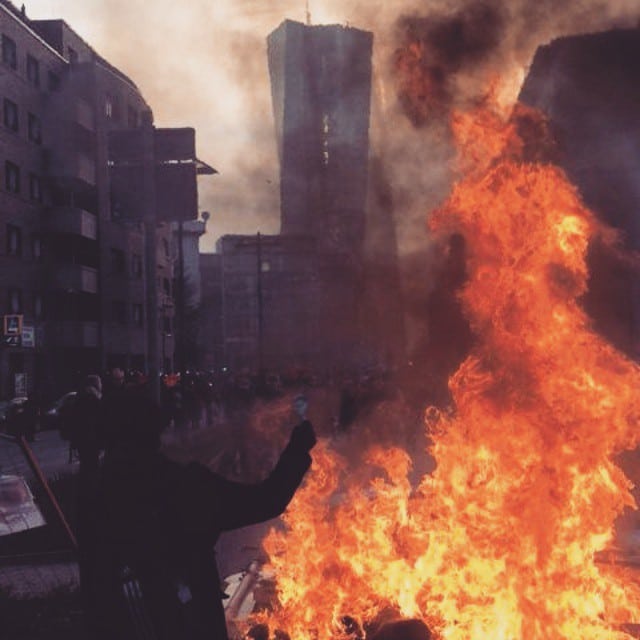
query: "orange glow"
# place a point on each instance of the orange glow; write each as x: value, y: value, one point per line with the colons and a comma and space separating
x: 498, y: 542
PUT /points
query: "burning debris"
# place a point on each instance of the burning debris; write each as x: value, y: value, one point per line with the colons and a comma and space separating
x: 499, y: 541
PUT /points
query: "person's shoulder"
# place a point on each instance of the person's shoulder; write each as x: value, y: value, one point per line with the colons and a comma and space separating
x: 185, y: 471
x: 188, y: 486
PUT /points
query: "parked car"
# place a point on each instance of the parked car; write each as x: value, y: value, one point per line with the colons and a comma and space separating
x: 50, y: 419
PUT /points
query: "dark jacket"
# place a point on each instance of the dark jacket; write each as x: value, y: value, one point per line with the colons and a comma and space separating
x: 160, y: 521
x: 86, y: 426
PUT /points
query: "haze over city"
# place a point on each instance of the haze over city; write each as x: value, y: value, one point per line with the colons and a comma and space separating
x: 411, y: 330
x: 203, y: 64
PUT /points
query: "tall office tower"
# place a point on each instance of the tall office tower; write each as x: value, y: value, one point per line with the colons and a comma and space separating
x: 321, y: 91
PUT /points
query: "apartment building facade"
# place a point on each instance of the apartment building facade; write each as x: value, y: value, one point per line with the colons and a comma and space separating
x: 89, y: 280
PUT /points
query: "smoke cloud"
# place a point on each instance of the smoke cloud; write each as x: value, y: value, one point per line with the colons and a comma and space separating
x: 203, y: 64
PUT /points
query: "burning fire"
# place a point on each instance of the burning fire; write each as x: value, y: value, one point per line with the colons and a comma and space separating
x: 499, y: 541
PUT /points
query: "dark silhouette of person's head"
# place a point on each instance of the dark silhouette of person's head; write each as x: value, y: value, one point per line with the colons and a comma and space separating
x: 138, y: 425
x: 403, y: 630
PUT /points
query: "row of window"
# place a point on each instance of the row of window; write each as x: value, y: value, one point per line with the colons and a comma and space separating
x: 10, y: 59
x: 11, y: 120
x: 15, y: 303
x: 13, y: 182
x: 14, y: 243
x: 15, y: 248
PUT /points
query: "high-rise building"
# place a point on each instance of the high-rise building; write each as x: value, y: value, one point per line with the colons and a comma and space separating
x: 321, y: 91
x: 589, y: 88
x: 296, y: 299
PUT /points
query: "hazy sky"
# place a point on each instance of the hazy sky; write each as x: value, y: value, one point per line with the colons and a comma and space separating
x: 202, y: 63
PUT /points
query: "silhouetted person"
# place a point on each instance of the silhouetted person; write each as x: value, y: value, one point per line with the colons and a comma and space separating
x: 403, y: 630
x: 113, y: 401
x: 157, y: 524
x: 86, y: 425
x: 23, y: 418
x: 450, y: 337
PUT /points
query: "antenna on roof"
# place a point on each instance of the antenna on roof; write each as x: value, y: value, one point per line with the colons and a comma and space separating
x: 308, y: 12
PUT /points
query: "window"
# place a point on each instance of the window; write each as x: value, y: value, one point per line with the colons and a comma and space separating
x: 136, y: 265
x: 11, y: 177
x: 119, y: 312
x: 9, y: 52
x: 166, y: 248
x: 34, y: 129
x: 36, y: 247
x: 14, y: 240
x: 137, y: 315
x: 166, y: 325
x: 117, y: 261
x: 166, y: 286
x: 10, y: 114
x: 33, y: 71
x: 325, y: 139
x: 35, y: 188
x: 111, y: 107
x: 53, y: 81
x: 14, y: 300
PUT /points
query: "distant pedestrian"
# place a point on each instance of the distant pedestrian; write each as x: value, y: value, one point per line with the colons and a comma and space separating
x: 113, y: 401
x: 23, y: 419
x: 86, y: 425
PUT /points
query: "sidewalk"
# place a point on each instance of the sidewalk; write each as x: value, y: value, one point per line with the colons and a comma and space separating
x: 51, y: 451
x: 36, y: 580
x: 38, y: 574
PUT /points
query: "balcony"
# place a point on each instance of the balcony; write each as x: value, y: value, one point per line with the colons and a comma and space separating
x: 76, y: 334
x: 72, y: 220
x: 75, y: 277
x: 71, y: 166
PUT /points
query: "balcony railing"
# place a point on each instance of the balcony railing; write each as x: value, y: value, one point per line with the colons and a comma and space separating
x: 72, y: 165
x: 75, y: 277
x: 71, y: 220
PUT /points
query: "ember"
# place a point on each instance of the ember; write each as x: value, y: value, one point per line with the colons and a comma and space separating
x: 499, y: 541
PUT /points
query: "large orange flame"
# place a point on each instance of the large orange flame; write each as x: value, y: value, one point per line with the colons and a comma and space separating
x: 499, y: 541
